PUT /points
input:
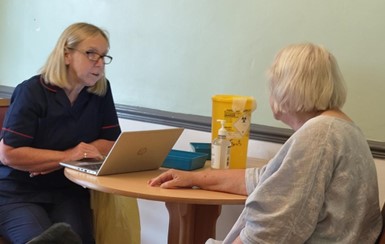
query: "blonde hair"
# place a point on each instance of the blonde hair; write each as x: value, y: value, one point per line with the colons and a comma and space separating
x: 55, y: 70
x: 305, y: 78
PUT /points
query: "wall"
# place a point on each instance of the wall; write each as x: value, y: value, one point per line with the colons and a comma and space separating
x: 154, y: 215
x: 173, y: 55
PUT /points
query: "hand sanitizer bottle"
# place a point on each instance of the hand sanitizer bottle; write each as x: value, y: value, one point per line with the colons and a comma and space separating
x: 220, y: 150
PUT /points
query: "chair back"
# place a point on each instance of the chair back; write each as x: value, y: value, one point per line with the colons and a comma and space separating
x: 381, y: 238
x: 4, y: 104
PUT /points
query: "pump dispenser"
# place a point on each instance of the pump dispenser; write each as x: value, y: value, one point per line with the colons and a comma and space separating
x: 220, y: 151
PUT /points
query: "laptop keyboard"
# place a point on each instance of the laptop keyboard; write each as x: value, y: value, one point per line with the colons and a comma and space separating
x: 92, y: 166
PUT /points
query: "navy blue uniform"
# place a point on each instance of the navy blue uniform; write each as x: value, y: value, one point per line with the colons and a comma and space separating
x: 41, y: 116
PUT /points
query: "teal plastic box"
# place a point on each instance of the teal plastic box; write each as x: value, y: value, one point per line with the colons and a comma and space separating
x: 202, y: 147
x: 184, y: 160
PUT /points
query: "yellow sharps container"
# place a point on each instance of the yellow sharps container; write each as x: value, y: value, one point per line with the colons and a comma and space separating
x: 236, y: 111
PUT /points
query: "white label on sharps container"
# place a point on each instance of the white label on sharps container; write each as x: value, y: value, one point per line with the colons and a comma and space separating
x: 243, y: 123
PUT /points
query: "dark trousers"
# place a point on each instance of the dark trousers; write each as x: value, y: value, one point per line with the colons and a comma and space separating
x: 20, y: 222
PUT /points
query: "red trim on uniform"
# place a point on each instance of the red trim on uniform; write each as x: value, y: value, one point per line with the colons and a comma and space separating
x: 109, y: 126
x: 17, y: 133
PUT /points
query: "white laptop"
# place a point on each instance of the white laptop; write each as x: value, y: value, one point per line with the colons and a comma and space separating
x: 133, y: 151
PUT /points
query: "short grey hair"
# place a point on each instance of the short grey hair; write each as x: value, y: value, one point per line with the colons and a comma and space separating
x: 305, y: 78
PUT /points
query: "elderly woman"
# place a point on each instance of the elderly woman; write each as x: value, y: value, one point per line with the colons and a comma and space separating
x: 321, y: 187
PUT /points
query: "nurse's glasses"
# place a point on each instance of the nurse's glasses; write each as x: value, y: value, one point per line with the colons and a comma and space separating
x: 94, y: 56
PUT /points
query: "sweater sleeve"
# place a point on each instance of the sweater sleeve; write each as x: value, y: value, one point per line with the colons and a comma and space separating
x: 252, y: 178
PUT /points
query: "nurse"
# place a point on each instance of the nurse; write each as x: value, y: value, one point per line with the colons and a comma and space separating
x: 64, y: 113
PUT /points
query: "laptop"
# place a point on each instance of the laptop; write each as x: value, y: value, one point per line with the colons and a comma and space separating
x: 133, y: 151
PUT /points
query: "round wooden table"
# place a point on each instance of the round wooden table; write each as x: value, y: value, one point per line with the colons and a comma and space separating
x: 193, y: 212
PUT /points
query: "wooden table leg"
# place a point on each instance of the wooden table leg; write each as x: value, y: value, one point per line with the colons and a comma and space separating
x: 191, y: 223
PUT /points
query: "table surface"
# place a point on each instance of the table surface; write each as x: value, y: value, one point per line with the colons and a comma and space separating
x: 135, y: 185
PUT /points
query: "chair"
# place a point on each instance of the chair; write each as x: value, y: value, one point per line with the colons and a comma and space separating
x: 4, y: 104
x: 381, y: 238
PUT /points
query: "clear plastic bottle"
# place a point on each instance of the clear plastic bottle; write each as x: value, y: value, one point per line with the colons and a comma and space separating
x: 220, y: 150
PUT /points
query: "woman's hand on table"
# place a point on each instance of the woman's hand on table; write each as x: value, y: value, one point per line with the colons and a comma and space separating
x: 173, y: 179
x: 231, y: 181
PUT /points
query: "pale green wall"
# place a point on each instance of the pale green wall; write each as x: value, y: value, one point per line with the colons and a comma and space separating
x: 174, y: 55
